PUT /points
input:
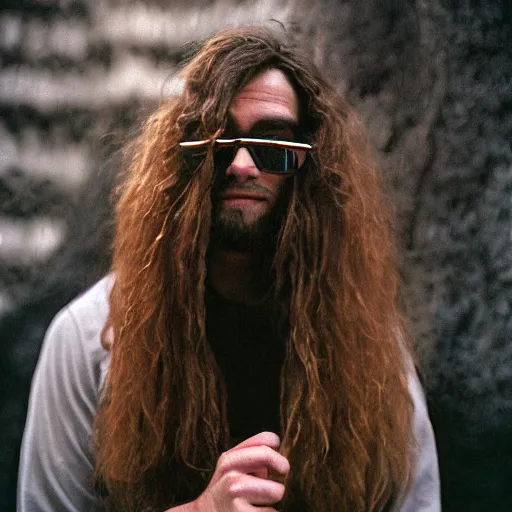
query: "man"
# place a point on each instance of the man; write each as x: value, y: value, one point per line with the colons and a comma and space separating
x: 246, y: 351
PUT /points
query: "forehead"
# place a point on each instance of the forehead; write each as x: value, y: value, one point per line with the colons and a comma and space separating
x: 269, y: 95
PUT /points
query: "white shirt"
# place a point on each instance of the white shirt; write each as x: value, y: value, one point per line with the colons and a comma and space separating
x: 57, y: 456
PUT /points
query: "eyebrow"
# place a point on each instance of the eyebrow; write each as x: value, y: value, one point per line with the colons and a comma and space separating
x: 277, y: 123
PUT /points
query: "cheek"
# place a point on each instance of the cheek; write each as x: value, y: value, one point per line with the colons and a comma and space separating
x: 274, y: 183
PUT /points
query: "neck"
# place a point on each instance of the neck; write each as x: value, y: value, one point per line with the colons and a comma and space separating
x: 235, y: 276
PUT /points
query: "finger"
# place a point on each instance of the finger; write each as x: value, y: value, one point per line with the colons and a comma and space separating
x: 263, y: 438
x: 256, y: 491
x: 261, y: 473
x: 253, y: 459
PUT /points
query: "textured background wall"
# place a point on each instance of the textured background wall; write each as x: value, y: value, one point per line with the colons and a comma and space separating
x: 433, y: 83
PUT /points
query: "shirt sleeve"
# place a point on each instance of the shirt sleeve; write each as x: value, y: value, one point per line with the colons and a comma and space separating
x: 56, y: 461
x: 424, y: 493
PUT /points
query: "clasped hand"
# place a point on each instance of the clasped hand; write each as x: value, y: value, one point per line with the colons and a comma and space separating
x: 241, y: 480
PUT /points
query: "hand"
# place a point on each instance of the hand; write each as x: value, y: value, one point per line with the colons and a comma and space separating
x: 241, y: 482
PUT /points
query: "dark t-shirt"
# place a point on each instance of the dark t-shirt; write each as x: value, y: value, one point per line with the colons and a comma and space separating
x: 250, y: 355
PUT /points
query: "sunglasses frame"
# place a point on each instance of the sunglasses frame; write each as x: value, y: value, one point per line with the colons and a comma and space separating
x: 248, y: 142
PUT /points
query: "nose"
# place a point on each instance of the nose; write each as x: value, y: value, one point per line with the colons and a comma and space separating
x: 243, y: 166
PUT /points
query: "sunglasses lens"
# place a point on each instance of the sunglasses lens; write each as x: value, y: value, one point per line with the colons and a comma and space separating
x: 266, y: 158
x: 194, y: 158
x: 224, y: 155
x: 278, y: 160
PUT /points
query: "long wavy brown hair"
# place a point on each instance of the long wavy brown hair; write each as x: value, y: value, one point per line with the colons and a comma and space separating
x: 346, y: 415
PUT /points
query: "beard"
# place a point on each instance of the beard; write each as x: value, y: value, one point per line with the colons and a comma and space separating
x: 231, y: 231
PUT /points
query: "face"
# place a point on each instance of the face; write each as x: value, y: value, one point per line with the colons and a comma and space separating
x: 248, y: 201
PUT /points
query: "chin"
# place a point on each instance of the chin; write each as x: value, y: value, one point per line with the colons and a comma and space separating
x: 245, y: 218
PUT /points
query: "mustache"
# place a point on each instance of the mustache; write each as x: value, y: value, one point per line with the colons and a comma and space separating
x: 241, y: 185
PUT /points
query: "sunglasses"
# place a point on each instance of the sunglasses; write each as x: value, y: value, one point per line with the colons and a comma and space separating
x: 274, y: 156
